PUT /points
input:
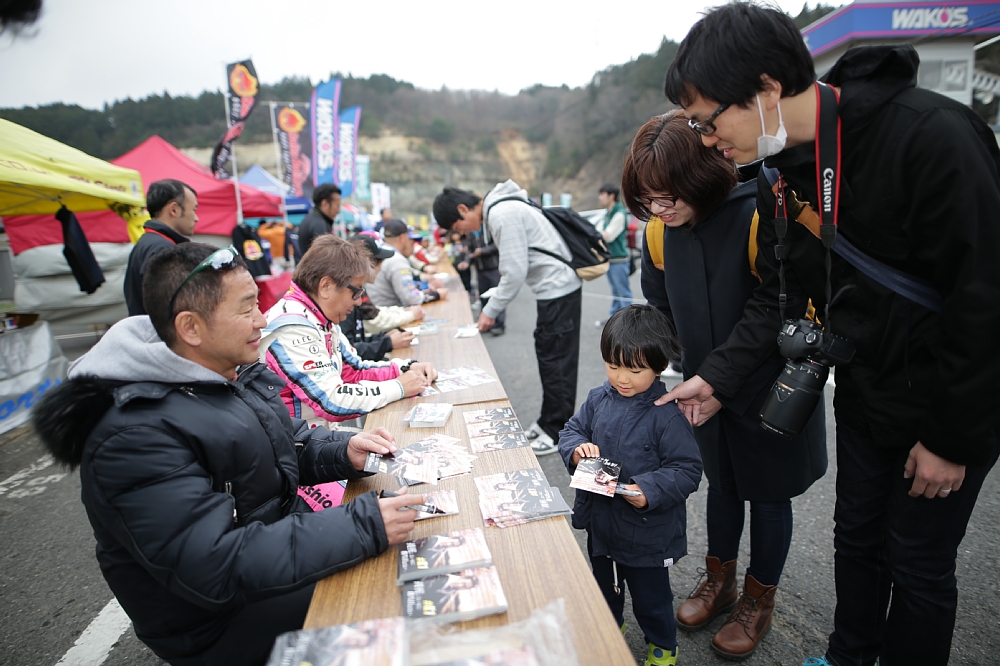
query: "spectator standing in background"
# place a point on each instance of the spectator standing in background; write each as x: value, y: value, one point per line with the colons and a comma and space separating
x: 319, y: 220
x: 614, y: 230
x: 516, y: 227
x: 173, y: 207
x: 458, y: 251
x: 385, y: 215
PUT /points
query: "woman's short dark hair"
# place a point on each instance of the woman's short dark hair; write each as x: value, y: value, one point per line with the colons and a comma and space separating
x: 446, y: 205
x: 640, y: 336
x: 332, y: 257
x: 166, y: 270
x: 667, y: 157
x: 163, y: 192
x: 726, y: 52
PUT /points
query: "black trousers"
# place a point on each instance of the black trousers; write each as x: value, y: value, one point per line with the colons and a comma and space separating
x: 250, y: 635
x: 652, y: 598
x: 487, y: 280
x: 557, y: 347
x: 894, y: 558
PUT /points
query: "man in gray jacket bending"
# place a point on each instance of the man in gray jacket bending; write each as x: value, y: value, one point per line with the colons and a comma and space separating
x: 518, y: 228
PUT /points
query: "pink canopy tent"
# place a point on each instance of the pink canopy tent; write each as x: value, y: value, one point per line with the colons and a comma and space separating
x: 155, y: 159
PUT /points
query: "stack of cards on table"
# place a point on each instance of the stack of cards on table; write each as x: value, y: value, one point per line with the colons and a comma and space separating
x: 426, y: 461
x: 494, y: 429
x: 515, y: 498
x: 448, y: 577
x: 372, y: 642
x: 467, y: 331
x: 429, y: 415
x: 444, y: 501
x: 465, y: 377
x: 597, y: 475
x: 452, y: 459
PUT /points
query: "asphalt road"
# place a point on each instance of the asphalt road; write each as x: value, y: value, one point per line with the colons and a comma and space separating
x: 51, y: 590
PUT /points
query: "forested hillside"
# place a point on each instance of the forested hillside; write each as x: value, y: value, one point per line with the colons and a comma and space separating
x: 555, y: 139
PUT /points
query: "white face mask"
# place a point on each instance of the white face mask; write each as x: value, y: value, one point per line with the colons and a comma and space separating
x: 770, y: 145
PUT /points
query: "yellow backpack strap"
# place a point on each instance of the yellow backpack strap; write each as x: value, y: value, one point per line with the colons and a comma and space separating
x: 752, y: 246
x: 653, y: 236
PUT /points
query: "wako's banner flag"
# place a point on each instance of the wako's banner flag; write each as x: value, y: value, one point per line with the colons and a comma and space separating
x: 295, y: 145
x: 324, y: 112
x: 243, y: 87
x: 362, y: 176
x: 347, y: 149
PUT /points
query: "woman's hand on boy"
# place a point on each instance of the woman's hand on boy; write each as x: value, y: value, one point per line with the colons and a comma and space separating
x: 638, y: 501
x: 585, y: 450
x: 709, y: 408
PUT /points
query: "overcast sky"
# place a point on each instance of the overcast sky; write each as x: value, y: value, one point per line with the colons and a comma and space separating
x: 89, y: 52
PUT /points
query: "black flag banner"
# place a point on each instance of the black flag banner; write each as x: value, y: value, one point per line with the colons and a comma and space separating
x: 243, y: 89
x: 295, y: 145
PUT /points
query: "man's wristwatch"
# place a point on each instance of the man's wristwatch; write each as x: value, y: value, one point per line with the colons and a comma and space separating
x: 406, y: 366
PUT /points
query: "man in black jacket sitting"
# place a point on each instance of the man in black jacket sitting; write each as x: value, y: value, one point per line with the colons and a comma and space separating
x: 189, y: 466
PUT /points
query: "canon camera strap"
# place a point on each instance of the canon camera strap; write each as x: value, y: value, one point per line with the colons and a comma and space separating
x: 827, y: 176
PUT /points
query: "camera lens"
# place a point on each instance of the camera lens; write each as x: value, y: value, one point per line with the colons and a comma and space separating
x: 793, y: 397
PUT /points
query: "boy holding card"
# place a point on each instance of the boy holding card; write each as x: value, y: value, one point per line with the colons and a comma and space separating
x: 634, y: 539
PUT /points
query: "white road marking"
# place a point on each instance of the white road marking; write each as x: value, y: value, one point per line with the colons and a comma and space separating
x: 94, y: 644
x: 17, y: 478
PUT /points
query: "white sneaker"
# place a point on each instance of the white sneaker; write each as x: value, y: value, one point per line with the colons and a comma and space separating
x: 540, y: 442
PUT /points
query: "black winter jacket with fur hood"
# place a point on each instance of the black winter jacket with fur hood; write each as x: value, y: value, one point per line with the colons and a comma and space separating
x: 189, y: 481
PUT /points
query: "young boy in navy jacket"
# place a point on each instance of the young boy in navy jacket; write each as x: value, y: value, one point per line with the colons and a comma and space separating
x: 634, y: 539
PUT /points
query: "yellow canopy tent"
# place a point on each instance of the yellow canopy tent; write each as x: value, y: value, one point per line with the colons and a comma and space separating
x: 39, y: 175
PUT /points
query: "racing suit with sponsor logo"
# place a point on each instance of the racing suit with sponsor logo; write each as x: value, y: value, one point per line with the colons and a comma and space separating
x: 326, y: 380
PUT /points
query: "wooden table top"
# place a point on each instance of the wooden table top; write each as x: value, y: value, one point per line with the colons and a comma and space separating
x: 537, y: 562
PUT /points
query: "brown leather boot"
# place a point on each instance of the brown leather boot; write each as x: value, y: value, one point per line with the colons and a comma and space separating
x: 715, y: 594
x: 743, y: 631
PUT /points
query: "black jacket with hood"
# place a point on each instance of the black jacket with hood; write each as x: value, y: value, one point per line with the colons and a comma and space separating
x: 190, y: 480
x: 920, y: 191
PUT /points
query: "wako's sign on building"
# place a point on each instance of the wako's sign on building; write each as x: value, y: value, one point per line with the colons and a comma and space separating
x: 901, y: 20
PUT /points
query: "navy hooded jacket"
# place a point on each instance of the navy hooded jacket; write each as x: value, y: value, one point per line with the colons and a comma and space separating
x: 657, y: 449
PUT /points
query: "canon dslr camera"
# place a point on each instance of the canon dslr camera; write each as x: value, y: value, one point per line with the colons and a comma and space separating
x: 810, y: 352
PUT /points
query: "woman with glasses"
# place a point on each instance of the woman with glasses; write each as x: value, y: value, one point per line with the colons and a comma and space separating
x: 698, y: 268
x: 326, y: 380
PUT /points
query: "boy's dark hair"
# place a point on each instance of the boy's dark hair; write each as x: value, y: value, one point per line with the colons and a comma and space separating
x: 666, y: 157
x: 608, y: 188
x: 446, y: 205
x: 324, y: 193
x: 162, y: 192
x: 726, y: 52
x: 166, y: 270
x: 640, y: 336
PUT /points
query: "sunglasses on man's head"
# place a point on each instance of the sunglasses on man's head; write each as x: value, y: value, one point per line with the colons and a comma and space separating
x: 224, y: 258
x: 706, y: 127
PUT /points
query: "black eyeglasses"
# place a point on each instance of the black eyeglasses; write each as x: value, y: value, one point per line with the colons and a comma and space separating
x: 224, y: 258
x: 662, y: 202
x: 357, y: 293
x: 706, y: 127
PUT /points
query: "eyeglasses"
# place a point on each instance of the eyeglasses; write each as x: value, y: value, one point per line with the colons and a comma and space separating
x: 706, y: 127
x: 662, y: 202
x: 357, y: 293
x: 224, y: 258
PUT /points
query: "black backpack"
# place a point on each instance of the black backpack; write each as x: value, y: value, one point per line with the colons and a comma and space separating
x: 589, y: 252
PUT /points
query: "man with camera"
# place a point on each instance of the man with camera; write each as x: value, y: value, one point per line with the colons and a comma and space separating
x: 879, y: 243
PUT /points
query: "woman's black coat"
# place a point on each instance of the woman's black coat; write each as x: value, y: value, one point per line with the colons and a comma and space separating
x: 705, y: 282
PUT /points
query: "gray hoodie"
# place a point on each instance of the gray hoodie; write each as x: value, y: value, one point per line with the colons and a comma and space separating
x: 131, y: 351
x: 514, y: 227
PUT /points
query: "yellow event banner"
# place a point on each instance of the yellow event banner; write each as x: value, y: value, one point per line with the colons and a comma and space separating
x: 38, y: 175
